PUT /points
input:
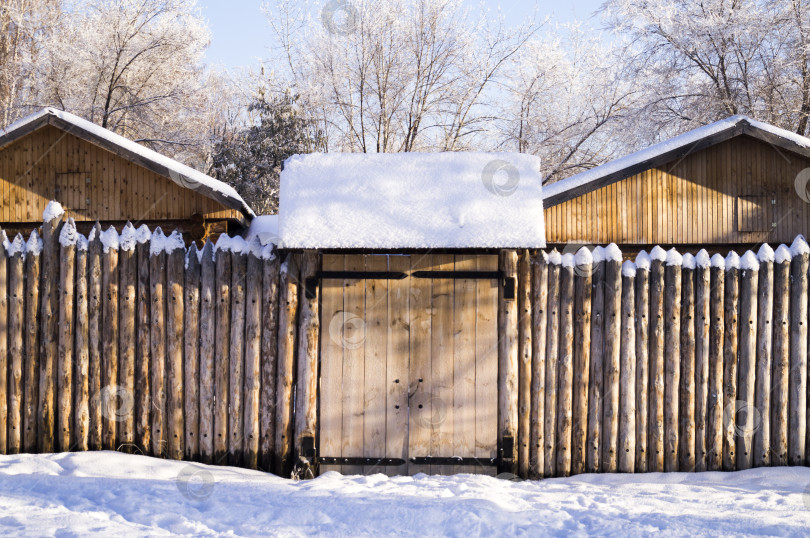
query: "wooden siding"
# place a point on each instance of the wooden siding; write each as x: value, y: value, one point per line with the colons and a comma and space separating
x: 118, y: 190
x: 713, y: 196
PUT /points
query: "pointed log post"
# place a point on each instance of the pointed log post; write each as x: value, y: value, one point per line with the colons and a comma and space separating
x: 157, y: 338
x: 127, y: 272
x: 781, y: 355
x: 288, y: 313
x: 191, y: 370
x: 656, y: 382
x: 237, y: 354
x: 4, y: 362
x: 672, y: 357
x: 64, y: 356
x: 508, y: 360
x: 222, y: 368
x: 16, y: 313
x: 702, y: 361
x: 208, y: 312
x: 642, y: 296
x: 552, y: 362
x: 112, y: 399
x: 582, y: 358
x: 269, y: 357
x: 717, y: 328
x: 306, y: 419
x: 175, y: 280
x: 539, y: 296
x: 612, y: 360
x: 81, y: 370
x: 565, y: 372
x: 731, y: 310
x: 33, y: 249
x: 762, y: 402
x: 94, y: 286
x: 143, y: 350
x: 253, y: 372
x: 746, y: 414
x: 686, y: 391
x: 596, y: 377
x: 49, y: 331
x: 524, y: 362
x: 797, y: 414
x: 627, y: 379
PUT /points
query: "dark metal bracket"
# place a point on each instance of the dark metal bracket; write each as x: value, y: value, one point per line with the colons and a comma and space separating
x: 311, y: 284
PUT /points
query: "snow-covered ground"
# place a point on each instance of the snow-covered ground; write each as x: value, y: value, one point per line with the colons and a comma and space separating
x: 107, y: 493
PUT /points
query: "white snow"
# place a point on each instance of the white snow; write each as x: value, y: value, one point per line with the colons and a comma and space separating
x: 674, y: 257
x: 236, y: 244
x: 718, y: 261
x: 68, y: 236
x: 143, y: 234
x: 34, y: 244
x: 658, y: 254
x: 113, y: 494
x: 643, y: 261
x: 702, y: 259
x: 554, y: 257
x: 689, y: 261
x: 628, y: 269
x: 157, y: 242
x: 265, y: 227
x: 782, y: 254
x: 52, y: 211
x: 109, y: 239
x: 16, y: 246
x: 797, y: 139
x: 411, y: 200
x: 4, y: 239
x: 181, y: 174
x: 82, y: 243
x: 732, y: 261
x: 129, y: 237
x: 583, y: 256
x: 598, y: 254
x: 749, y: 261
x: 613, y: 253
x: 568, y: 260
x: 260, y: 250
x: 174, y: 242
x: 799, y: 246
x: 765, y: 253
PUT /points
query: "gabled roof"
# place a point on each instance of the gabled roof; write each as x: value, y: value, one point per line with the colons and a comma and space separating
x: 670, y: 150
x: 181, y: 174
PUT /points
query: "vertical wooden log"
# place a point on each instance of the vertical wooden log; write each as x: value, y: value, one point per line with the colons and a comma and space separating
x: 143, y: 349
x: 175, y: 280
x: 64, y: 356
x: 95, y: 337
x: 565, y: 373
x: 4, y: 362
x: 288, y: 312
x: 236, y: 354
x: 672, y: 366
x: 16, y: 314
x: 539, y: 325
x: 253, y: 367
x: 110, y: 392
x: 702, y: 360
x: 765, y: 331
x: 612, y: 360
x: 686, y: 393
x: 157, y: 339
x: 745, y: 413
x: 582, y: 358
x: 596, y: 377
x: 81, y: 370
x: 731, y: 309
x: 191, y: 367
x: 642, y: 296
x: 49, y: 330
x: 656, y: 384
x: 127, y: 345
x: 781, y: 356
x: 208, y: 317
x: 222, y: 369
x: 627, y: 380
x: 508, y: 359
x: 797, y: 396
x: 524, y: 327
x: 269, y: 355
x: 306, y: 416
x: 716, y: 398
x: 33, y: 248
x: 552, y: 360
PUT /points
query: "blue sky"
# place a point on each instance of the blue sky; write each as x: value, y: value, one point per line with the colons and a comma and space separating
x: 240, y: 34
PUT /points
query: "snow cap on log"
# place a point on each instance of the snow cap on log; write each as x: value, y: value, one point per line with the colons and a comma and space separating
x: 674, y: 257
x: 263, y: 252
x: 613, y: 253
x: 799, y: 246
x: 568, y: 260
x: 68, y: 237
x: 658, y: 254
x: 583, y: 256
x: 782, y: 254
x: 225, y: 243
x: 732, y: 261
x: 156, y: 242
x: 643, y: 261
x: 689, y: 261
x: 554, y: 257
x: 17, y: 245
x: 4, y: 239
x: 52, y: 211
x: 702, y: 259
x: 143, y: 235
x: 128, y: 237
x: 34, y: 244
x: 749, y: 261
x: 718, y: 261
x: 628, y: 269
x: 82, y: 243
x: 109, y: 239
x: 765, y: 253
x: 598, y: 254
x: 174, y: 242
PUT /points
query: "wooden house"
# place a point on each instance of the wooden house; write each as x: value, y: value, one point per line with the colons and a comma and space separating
x: 98, y: 175
x: 735, y: 183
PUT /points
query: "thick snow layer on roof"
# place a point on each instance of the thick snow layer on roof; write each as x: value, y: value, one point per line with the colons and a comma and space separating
x: 411, y: 200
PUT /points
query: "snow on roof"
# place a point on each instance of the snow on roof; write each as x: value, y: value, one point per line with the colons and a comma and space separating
x: 741, y: 124
x: 183, y: 175
x: 411, y: 200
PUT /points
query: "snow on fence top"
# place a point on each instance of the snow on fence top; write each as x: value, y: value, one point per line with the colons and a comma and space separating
x: 411, y: 200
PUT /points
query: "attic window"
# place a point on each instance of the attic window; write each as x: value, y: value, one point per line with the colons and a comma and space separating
x: 72, y: 190
x: 755, y: 213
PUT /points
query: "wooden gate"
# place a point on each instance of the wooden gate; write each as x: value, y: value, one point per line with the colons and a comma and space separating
x: 409, y: 363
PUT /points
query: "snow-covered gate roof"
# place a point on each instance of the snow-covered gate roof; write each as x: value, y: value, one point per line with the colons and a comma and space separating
x: 411, y: 200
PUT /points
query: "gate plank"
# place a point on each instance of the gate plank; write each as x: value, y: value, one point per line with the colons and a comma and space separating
x: 419, y: 387
x: 396, y: 430
x: 353, y: 369
x: 486, y: 364
x: 441, y: 372
x: 374, y: 365
x: 464, y: 318
x: 331, y: 362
